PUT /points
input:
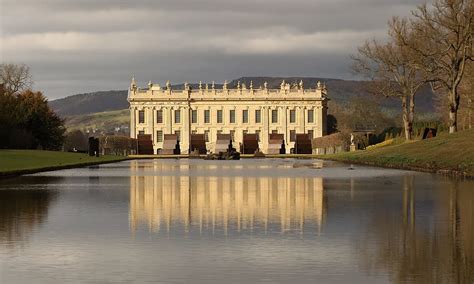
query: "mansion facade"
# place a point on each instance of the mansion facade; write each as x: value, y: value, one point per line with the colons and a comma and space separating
x: 290, y: 111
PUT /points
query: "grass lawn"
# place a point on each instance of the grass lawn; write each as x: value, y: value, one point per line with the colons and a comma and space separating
x: 448, y: 153
x: 14, y: 162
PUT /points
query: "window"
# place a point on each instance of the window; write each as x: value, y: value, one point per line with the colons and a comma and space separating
x: 232, y: 135
x: 178, y: 134
x: 194, y: 116
x: 177, y: 116
x: 274, y: 116
x: 159, y: 136
x: 292, y: 135
x: 141, y: 116
x: 207, y: 116
x: 159, y: 116
x: 232, y: 116
x: 219, y: 116
x: 245, y: 116
x: 310, y: 116
x: 258, y: 116
x: 206, y: 135
x: 258, y: 135
x: 292, y: 116
x: 311, y: 134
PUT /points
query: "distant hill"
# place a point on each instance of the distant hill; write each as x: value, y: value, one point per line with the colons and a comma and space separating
x: 339, y: 91
x: 90, y: 103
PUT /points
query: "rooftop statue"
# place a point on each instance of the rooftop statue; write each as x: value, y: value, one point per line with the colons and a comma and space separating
x: 150, y: 84
x: 213, y: 85
x: 238, y: 85
x: 318, y: 85
x: 224, y: 87
x: 251, y: 85
x: 168, y: 85
x: 200, y: 85
x: 133, y: 85
x: 265, y: 85
x: 301, y: 85
x: 283, y: 84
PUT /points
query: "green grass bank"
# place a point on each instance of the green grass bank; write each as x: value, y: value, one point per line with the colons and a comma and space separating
x: 18, y: 162
x: 448, y: 154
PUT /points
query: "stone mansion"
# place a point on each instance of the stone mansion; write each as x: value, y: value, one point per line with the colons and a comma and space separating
x: 285, y: 113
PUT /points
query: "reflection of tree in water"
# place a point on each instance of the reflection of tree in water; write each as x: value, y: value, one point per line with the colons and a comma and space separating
x: 20, y: 211
x: 436, y: 249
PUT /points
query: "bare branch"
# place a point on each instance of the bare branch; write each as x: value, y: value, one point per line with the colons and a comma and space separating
x: 15, y: 78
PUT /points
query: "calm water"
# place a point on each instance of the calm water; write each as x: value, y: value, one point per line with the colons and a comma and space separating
x: 249, y: 221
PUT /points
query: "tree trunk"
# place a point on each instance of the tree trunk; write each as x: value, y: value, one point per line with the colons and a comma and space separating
x: 411, y: 115
x: 453, y: 111
x: 405, y: 116
x: 469, y: 113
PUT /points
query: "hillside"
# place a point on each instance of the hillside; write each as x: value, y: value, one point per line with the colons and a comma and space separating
x: 105, y: 122
x: 90, y: 103
x: 339, y: 91
x: 447, y: 153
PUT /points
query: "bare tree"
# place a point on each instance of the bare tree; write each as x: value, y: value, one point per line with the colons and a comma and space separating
x: 15, y: 78
x: 467, y: 95
x: 444, y: 45
x: 392, y: 69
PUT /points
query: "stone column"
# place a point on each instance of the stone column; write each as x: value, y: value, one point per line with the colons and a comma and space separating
x: 169, y: 120
x: 149, y: 121
x: 305, y: 118
x: 266, y: 130
x: 285, y: 127
x: 319, y: 122
x: 133, y: 131
x: 185, y: 130
x: 153, y: 128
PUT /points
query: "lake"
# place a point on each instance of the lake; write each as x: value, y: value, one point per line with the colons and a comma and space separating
x: 247, y: 221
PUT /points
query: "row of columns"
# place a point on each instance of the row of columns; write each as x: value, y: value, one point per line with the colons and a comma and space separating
x: 151, y: 117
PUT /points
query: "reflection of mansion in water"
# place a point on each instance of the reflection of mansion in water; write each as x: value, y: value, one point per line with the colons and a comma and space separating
x: 251, y: 116
x: 224, y: 203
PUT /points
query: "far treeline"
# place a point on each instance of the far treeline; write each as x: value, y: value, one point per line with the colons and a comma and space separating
x: 433, y: 47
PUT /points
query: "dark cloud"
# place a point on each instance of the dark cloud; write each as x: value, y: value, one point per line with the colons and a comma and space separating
x: 88, y: 45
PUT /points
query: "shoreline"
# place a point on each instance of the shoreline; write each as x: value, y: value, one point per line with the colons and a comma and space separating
x: 438, y: 171
x: 16, y: 173
x: 15, y: 163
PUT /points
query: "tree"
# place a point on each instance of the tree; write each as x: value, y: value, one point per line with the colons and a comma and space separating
x: 444, y: 46
x: 26, y: 121
x: 467, y: 96
x: 45, y: 125
x: 392, y: 69
x: 15, y: 78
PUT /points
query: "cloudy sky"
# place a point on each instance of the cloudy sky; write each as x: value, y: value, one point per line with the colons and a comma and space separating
x: 76, y: 46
